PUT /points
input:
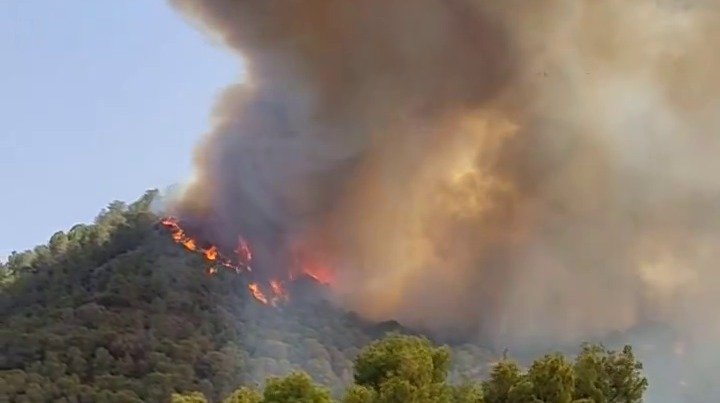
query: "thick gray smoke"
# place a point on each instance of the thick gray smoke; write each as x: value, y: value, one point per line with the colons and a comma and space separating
x: 516, y: 170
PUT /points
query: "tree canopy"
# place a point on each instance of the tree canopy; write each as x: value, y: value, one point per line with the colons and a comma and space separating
x: 403, y: 368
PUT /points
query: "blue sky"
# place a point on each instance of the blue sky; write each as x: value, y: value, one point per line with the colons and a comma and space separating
x: 101, y: 100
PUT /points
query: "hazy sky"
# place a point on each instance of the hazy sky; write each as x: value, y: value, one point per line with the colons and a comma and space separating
x: 101, y: 100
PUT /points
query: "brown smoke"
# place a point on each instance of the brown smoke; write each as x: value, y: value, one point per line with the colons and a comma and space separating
x: 518, y: 169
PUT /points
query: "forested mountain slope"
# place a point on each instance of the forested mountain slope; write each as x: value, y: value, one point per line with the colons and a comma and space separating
x: 115, y: 311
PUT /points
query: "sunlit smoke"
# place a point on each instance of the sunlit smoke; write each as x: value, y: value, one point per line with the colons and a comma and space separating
x: 515, y: 171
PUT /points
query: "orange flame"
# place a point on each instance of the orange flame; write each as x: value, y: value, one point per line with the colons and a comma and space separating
x: 211, y: 253
x: 178, y: 235
x: 257, y: 293
x: 320, y: 274
x: 303, y: 264
x: 310, y: 266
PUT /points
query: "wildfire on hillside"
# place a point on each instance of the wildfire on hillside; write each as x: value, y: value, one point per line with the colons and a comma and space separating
x: 211, y: 252
x: 275, y: 291
x: 306, y: 264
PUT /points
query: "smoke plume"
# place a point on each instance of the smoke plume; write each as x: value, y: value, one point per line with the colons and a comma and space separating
x: 513, y: 170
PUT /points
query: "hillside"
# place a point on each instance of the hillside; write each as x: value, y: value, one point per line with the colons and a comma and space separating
x: 115, y: 311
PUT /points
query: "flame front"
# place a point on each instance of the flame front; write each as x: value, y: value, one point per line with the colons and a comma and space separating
x: 279, y: 292
x: 257, y: 293
x: 178, y: 235
x: 306, y: 264
x: 303, y: 264
x: 211, y: 253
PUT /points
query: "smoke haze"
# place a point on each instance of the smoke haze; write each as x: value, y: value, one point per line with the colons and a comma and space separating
x: 515, y: 171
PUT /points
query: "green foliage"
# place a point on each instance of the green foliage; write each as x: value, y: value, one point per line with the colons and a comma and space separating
x: 360, y: 394
x: 244, y: 395
x: 192, y: 397
x: 468, y: 392
x: 504, y: 377
x: 404, y: 368
x: 597, y: 376
x: 552, y: 379
x: 607, y: 376
x: 297, y: 387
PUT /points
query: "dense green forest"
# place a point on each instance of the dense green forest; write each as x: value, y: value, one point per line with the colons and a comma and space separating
x: 116, y: 312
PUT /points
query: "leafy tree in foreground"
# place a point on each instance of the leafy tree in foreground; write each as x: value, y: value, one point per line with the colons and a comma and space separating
x: 194, y: 397
x: 404, y: 369
x: 297, y: 388
x: 505, y: 378
x: 606, y: 376
x: 468, y: 392
x: 598, y: 375
x: 552, y: 379
x: 360, y: 394
x: 244, y: 395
